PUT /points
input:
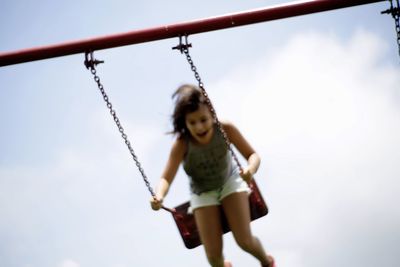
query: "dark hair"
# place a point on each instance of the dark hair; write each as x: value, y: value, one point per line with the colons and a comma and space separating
x: 188, y: 98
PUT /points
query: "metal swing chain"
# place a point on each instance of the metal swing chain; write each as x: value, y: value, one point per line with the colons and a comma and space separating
x: 184, y: 48
x: 395, y: 12
x: 90, y: 64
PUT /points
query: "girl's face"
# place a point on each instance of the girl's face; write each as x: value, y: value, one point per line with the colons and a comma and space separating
x: 200, y: 124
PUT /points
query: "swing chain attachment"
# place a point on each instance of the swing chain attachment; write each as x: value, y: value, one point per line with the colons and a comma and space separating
x: 184, y: 48
x: 395, y: 12
x: 90, y: 64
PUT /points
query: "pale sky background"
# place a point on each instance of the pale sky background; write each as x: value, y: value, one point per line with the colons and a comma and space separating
x: 318, y: 96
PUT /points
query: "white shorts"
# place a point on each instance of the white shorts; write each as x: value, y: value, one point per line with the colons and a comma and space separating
x: 235, y: 184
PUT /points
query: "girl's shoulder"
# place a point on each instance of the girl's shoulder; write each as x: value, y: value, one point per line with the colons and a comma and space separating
x: 180, y: 145
x: 230, y: 129
x: 228, y: 126
x: 181, y: 141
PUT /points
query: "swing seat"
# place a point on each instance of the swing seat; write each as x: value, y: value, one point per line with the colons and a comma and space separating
x: 186, y: 223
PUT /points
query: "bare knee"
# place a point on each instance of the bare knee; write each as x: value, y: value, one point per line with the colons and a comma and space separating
x: 247, y: 244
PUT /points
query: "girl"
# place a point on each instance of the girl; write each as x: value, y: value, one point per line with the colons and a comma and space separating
x: 214, y: 179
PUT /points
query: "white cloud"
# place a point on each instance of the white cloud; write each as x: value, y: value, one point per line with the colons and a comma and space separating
x: 69, y: 263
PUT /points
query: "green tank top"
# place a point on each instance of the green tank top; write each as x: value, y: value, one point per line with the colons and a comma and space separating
x: 208, y: 166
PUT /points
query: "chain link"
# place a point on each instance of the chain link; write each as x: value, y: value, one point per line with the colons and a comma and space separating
x: 185, y: 50
x: 91, y: 65
x: 396, y: 16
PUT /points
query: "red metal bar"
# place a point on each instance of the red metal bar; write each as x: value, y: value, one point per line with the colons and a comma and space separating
x: 174, y: 30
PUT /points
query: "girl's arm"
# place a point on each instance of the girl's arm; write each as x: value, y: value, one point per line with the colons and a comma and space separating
x: 243, y: 146
x: 175, y: 158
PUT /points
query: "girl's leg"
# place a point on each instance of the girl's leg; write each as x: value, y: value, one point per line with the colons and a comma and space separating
x: 209, y: 225
x: 237, y: 211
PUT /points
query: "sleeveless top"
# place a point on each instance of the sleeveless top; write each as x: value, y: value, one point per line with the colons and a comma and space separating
x: 208, y: 166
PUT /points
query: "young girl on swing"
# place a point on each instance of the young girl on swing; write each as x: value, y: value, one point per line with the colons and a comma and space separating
x: 214, y: 179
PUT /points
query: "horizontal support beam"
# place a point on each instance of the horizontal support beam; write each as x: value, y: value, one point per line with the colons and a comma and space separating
x: 174, y: 30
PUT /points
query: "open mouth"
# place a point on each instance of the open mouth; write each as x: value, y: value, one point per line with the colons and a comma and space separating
x: 202, y: 134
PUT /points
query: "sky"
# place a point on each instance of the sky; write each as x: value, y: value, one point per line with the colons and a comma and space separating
x: 317, y: 96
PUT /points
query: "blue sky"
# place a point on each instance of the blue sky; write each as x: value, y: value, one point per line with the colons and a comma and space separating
x: 316, y: 95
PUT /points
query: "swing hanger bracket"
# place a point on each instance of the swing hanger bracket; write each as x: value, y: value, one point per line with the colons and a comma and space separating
x: 90, y: 62
x: 394, y: 11
x: 183, y: 45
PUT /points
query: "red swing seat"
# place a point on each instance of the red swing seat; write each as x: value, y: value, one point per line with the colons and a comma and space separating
x: 186, y: 224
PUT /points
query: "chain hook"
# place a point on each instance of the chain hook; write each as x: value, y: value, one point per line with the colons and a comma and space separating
x: 90, y: 62
x: 395, y: 12
x: 183, y: 46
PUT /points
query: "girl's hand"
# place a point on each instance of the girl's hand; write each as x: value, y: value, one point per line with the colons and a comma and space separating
x: 156, y: 203
x: 246, y: 174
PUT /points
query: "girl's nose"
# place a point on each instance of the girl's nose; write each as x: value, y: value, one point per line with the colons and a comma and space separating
x: 198, y: 126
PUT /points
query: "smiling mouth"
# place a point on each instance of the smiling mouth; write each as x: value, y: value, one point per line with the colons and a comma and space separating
x: 202, y: 134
